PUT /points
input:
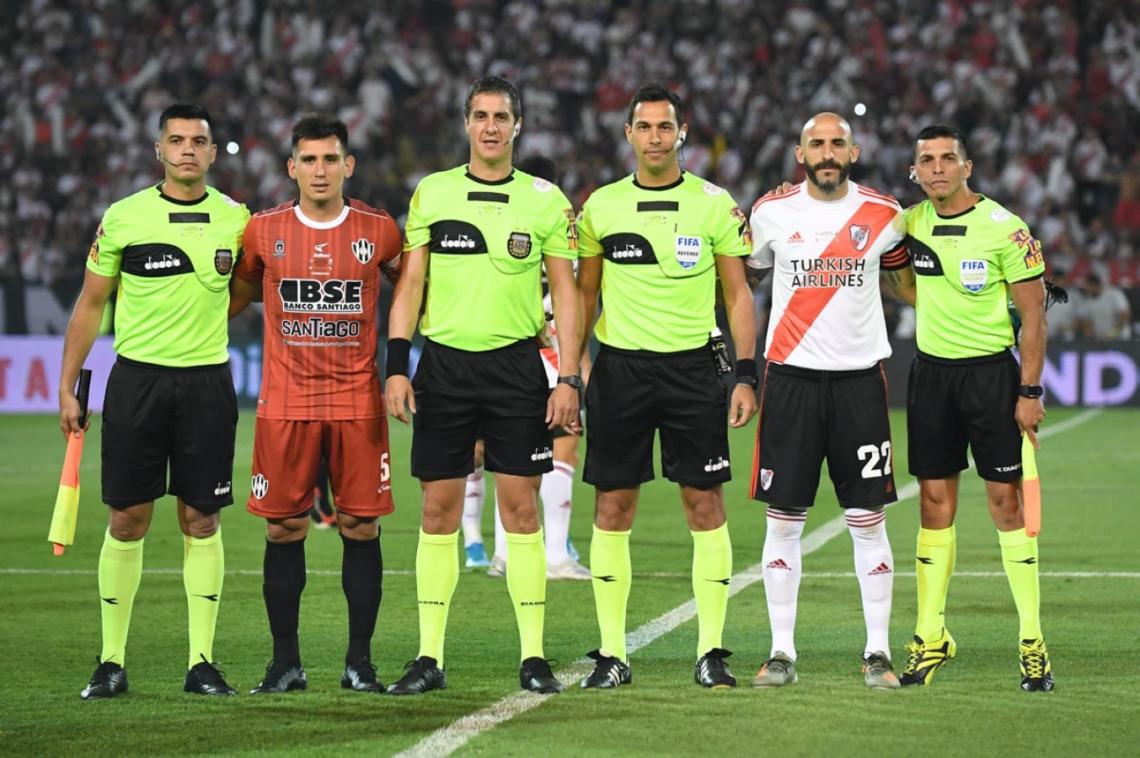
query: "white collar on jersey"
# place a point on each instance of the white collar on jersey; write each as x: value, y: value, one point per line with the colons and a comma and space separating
x: 321, y: 224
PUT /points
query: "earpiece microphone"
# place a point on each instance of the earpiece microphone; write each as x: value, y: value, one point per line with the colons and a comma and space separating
x: 515, y: 133
x: 681, y: 137
x: 914, y: 176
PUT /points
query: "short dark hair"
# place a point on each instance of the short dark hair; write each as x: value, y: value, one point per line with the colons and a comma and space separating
x: 185, y: 110
x: 937, y: 131
x: 653, y: 92
x: 540, y: 166
x: 497, y: 85
x: 319, y: 126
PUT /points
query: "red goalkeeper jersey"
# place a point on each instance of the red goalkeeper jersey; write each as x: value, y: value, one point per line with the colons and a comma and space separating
x: 321, y: 285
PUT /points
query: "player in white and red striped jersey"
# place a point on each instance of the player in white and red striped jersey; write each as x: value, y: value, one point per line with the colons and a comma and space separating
x: 823, y: 394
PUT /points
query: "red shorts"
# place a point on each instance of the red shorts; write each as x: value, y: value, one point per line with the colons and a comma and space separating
x: 286, y: 455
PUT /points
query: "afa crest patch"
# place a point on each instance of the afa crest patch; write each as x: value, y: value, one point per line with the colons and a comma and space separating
x: 518, y: 245
x: 223, y: 260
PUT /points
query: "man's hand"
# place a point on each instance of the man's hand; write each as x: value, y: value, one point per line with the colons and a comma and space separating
x: 562, y: 409
x: 69, y: 414
x: 1030, y: 412
x: 783, y: 189
x: 398, y: 394
x: 743, y: 406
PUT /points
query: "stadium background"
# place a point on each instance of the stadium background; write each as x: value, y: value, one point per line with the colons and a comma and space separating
x: 1049, y: 94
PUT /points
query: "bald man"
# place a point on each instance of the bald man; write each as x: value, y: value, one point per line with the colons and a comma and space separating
x: 823, y: 395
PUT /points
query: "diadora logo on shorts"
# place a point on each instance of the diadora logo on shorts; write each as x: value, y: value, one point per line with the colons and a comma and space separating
x: 222, y: 488
x: 765, y: 478
x: 542, y: 454
x: 316, y: 296
x: 363, y: 250
x: 716, y: 464
x: 258, y: 486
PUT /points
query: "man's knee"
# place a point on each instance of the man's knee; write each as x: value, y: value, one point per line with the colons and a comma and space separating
x: 132, y: 523
x: 284, y: 531
x: 360, y: 529
x: 704, y: 508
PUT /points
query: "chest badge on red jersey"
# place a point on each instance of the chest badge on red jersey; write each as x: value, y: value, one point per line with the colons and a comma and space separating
x: 860, y: 236
x: 363, y: 250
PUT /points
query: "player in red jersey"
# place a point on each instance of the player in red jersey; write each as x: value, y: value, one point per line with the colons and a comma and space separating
x: 318, y: 261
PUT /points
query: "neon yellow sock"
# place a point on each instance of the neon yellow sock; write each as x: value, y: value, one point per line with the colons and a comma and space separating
x: 120, y: 569
x: 437, y: 574
x: 526, y: 581
x: 203, y: 569
x: 1019, y: 556
x: 934, y: 564
x: 712, y: 569
x: 610, y: 565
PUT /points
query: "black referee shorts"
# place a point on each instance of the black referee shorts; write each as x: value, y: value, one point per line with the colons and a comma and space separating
x: 497, y: 395
x: 633, y: 394
x: 155, y: 417
x: 808, y: 416
x: 955, y: 403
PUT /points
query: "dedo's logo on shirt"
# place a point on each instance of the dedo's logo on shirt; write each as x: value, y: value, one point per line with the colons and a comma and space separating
x: 688, y: 251
x: 972, y: 273
x: 317, y: 296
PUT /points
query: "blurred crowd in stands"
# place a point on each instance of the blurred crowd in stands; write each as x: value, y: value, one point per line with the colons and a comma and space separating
x: 1047, y: 92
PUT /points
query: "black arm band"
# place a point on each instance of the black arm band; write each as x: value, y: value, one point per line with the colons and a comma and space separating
x: 397, y: 362
x: 746, y: 372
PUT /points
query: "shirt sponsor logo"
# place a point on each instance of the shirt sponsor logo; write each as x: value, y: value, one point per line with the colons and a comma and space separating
x: 688, y: 251
x: 828, y: 273
x: 363, y: 250
x: 972, y: 274
x: 259, y: 486
x: 223, y: 260
x: 315, y: 327
x: 316, y: 296
x: 461, y: 241
x: 860, y: 236
x: 518, y: 245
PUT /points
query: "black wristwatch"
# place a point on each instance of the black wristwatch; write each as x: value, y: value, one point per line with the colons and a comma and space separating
x: 573, y: 380
x: 1031, y: 391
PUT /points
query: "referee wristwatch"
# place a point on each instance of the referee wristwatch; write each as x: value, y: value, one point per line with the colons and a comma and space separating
x: 1031, y: 391
x: 574, y: 380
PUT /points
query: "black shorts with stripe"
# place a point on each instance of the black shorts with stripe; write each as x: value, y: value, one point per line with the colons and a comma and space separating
x: 155, y: 417
x: 969, y: 402
x: 634, y: 394
x: 498, y: 396
x: 808, y: 416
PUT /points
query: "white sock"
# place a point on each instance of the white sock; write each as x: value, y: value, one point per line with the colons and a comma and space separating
x: 875, y: 567
x: 555, y: 493
x: 500, y: 532
x: 783, y: 567
x: 473, y: 508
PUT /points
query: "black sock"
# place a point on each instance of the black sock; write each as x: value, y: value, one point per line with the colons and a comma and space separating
x: 283, y: 581
x: 360, y: 573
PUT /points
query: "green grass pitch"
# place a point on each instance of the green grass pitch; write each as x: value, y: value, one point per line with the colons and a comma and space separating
x: 49, y: 622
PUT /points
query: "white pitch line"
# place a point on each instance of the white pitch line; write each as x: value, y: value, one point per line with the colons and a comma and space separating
x: 448, y: 739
